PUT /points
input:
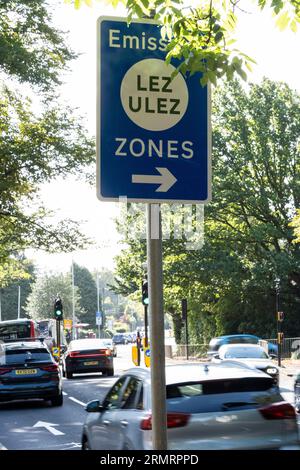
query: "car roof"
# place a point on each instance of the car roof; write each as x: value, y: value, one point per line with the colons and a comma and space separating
x: 19, y: 320
x: 26, y: 345
x: 224, y: 347
x: 93, y: 342
x: 241, y: 335
x: 182, y: 373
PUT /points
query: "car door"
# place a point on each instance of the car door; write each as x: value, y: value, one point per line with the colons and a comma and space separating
x: 125, y: 423
x: 100, y: 425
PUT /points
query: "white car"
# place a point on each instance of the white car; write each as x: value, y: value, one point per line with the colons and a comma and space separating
x: 209, y: 407
x: 251, y: 355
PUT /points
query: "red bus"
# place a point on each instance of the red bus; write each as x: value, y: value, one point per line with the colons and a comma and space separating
x: 22, y: 328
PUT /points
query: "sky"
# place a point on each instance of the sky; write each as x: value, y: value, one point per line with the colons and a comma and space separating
x: 277, y: 57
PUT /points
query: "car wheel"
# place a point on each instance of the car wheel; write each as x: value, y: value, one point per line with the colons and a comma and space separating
x: 110, y: 372
x: 63, y: 372
x: 69, y: 375
x: 57, y: 401
x: 85, y: 445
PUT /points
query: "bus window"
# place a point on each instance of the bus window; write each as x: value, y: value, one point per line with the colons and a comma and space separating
x: 12, y: 330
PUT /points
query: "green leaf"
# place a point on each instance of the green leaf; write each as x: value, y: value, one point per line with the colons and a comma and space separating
x: 283, y: 21
x: 219, y: 36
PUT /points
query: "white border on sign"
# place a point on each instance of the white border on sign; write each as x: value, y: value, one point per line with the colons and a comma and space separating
x: 98, y: 147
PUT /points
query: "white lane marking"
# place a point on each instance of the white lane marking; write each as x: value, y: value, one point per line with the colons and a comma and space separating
x: 2, y: 447
x: 77, y: 401
x: 64, y: 393
x: 49, y: 427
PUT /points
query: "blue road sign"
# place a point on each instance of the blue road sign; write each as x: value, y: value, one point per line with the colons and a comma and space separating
x: 153, y: 133
x: 98, y: 318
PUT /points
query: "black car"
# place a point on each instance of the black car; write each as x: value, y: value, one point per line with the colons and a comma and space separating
x: 28, y: 371
x: 86, y: 356
x: 297, y: 393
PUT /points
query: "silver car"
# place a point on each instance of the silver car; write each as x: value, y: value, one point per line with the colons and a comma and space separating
x: 209, y: 406
x: 251, y: 355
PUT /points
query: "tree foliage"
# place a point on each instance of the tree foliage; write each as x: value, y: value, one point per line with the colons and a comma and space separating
x: 38, y: 142
x: 202, y: 36
x: 10, y: 293
x: 32, y: 49
x: 40, y: 303
x: 87, y: 290
x: 230, y: 282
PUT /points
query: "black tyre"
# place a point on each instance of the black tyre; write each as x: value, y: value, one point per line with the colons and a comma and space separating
x: 69, y: 375
x: 110, y: 372
x: 57, y: 401
x: 85, y: 445
x: 63, y: 372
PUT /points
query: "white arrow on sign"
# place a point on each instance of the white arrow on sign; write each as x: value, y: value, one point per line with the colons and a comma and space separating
x: 49, y: 427
x: 165, y: 180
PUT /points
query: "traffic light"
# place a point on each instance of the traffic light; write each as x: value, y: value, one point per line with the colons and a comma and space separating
x: 280, y: 316
x: 58, y: 309
x: 145, y: 297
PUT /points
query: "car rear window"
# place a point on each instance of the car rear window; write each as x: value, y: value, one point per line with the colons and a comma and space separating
x: 220, y: 395
x: 29, y: 355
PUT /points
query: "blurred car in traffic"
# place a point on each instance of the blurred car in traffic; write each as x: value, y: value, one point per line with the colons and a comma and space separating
x: 120, y: 338
x: 209, y: 406
x: 28, y: 371
x: 250, y: 355
x: 107, y: 342
x: 297, y: 392
x: 216, y: 343
x: 87, y: 356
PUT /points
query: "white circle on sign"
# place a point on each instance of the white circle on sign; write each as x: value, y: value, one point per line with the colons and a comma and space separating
x: 150, y: 98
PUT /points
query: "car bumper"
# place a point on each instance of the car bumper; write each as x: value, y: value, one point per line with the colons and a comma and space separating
x: 84, y: 367
x: 19, y: 393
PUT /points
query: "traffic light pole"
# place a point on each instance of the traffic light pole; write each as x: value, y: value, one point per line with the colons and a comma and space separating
x: 155, y: 282
x: 58, y: 338
x: 278, y: 326
x: 146, y: 325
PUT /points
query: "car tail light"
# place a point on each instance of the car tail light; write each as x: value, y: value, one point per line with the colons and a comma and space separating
x: 281, y: 410
x: 108, y: 352
x: 74, y: 354
x: 50, y: 368
x: 174, y: 420
x: 4, y: 370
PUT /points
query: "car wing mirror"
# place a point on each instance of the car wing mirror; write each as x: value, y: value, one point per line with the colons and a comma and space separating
x: 216, y: 356
x: 272, y: 356
x: 94, y: 406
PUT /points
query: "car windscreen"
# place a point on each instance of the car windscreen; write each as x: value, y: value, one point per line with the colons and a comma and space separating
x: 22, y: 356
x: 245, y: 353
x: 220, y: 395
x: 14, y: 331
x: 214, y: 344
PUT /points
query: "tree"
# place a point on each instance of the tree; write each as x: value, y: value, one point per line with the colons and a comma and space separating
x: 87, y: 290
x: 35, y: 147
x: 230, y: 283
x: 201, y: 36
x: 32, y: 49
x: 40, y: 303
x: 9, y: 294
x: 296, y: 225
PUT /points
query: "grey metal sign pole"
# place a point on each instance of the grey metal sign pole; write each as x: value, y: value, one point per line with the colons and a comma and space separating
x: 157, y: 340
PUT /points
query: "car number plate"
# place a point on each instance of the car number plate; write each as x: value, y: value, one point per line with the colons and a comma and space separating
x: 91, y: 363
x: 26, y: 372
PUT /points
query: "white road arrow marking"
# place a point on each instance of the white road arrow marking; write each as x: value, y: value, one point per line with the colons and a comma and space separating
x: 165, y: 180
x: 49, y: 427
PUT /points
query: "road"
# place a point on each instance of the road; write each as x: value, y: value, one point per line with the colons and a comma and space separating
x: 36, y: 425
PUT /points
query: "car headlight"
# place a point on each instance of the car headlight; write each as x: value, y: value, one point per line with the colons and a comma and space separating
x: 271, y: 370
